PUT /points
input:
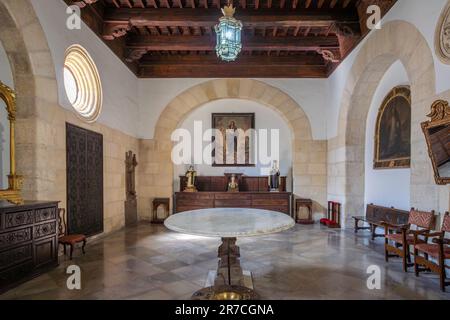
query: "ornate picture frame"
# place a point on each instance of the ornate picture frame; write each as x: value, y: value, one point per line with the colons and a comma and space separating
x: 393, y: 131
x: 15, y: 181
x: 439, y: 118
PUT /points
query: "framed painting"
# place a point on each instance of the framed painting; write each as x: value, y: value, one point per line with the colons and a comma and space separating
x: 393, y: 130
x: 233, y: 139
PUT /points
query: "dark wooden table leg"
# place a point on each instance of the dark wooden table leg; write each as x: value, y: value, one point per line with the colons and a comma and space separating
x: 229, y: 279
x: 229, y: 271
x: 373, y: 229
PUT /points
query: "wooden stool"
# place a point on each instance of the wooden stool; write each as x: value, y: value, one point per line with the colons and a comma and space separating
x: 68, y: 239
x: 333, y: 219
x: 156, y: 203
x: 304, y: 203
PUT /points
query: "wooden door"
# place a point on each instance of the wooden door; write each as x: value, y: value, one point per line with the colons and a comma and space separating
x: 84, y: 181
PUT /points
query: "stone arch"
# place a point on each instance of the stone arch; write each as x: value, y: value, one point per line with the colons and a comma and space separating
x: 397, y: 40
x: 309, y: 156
x: 35, y: 84
x: 248, y: 89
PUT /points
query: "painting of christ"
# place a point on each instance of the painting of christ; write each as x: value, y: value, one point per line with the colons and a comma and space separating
x: 233, y: 139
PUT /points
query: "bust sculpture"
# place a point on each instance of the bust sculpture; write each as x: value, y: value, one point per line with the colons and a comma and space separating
x: 233, y: 186
x: 274, y: 178
x: 190, y: 183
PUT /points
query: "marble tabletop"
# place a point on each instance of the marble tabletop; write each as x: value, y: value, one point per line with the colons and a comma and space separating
x: 229, y: 222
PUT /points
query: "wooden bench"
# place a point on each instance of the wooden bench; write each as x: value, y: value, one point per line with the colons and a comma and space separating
x: 376, y: 215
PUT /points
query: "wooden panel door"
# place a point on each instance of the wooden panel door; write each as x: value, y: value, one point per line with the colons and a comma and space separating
x: 84, y: 181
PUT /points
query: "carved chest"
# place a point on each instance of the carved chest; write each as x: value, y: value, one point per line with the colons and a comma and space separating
x: 28, y: 241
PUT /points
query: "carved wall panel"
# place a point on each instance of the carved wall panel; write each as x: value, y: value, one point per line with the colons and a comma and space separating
x: 84, y: 181
x: 14, y: 256
x: 45, y: 229
x: 16, y: 219
x: 442, y: 36
x: 45, y: 214
x: 15, y: 237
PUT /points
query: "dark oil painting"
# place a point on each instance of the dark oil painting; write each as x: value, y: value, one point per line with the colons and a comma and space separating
x: 393, y: 130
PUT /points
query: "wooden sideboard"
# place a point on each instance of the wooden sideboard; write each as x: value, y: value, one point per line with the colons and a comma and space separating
x: 276, y: 201
x: 28, y: 241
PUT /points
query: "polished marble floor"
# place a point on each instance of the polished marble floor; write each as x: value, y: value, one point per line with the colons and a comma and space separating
x: 306, y: 262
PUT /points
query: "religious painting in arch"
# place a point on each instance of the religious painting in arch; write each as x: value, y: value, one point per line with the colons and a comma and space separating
x: 234, y: 146
x: 393, y: 130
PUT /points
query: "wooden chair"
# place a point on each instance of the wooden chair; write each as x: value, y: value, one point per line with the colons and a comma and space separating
x: 405, y: 235
x: 68, y: 239
x: 439, y: 250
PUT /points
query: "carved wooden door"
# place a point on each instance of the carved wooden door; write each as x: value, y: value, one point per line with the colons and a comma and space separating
x: 84, y: 181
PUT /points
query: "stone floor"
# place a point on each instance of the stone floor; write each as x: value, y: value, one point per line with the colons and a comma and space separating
x: 306, y: 262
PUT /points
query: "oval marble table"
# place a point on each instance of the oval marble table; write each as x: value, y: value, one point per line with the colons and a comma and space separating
x: 228, y: 224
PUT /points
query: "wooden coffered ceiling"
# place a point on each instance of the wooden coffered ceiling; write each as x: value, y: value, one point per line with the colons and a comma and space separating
x: 281, y: 38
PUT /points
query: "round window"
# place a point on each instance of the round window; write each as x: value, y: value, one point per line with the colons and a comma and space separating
x: 82, y: 83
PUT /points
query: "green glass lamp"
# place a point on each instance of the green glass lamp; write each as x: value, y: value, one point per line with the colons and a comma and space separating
x: 228, y: 33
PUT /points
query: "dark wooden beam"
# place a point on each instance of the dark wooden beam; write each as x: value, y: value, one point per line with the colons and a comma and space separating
x: 124, y: 18
x: 92, y: 15
x: 243, y: 60
x: 362, y: 6
x: 249, y: 17
x: 256, y: 43
x: 232, y: 70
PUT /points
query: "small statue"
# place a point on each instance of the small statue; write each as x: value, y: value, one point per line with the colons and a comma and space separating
x: 274, y: 178
x: 190, y: 183
x: 130, y: 188
x: 130, y: 165
x: 233, y: 185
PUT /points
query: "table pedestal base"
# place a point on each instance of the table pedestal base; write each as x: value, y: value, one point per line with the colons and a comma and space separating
x: 212, y: 276
x: 229, y: 282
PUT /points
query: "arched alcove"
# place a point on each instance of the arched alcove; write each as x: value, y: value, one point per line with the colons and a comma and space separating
x: 265, y: 119
x: 309, y: 156
x: 397, y: 40
x: 34, y: 82
x: 385, y: 186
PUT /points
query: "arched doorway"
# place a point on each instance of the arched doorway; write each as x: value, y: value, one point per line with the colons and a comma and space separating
x: 35, y: 84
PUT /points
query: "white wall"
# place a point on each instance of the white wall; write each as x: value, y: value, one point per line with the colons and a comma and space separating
x: 156, y: 94
x: 424, y: 15
x: 389, y: 187
x: 265, y: 118
x: 120, y: 105
x: 7, y: 78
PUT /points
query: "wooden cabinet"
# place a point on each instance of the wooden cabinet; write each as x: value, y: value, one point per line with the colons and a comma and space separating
x: 28, y: 241
x: 276, y: 201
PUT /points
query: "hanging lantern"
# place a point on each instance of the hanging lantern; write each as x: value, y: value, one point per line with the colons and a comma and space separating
x: 228, y: 35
